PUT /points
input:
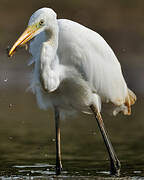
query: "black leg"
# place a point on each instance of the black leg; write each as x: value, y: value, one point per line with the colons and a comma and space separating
x: 114, y: 162
x: 58, y: 150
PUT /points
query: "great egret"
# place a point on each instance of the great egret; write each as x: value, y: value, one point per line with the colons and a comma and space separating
x: 75, y: 70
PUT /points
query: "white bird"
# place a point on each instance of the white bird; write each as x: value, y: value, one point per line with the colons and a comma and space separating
x: 75, y: 70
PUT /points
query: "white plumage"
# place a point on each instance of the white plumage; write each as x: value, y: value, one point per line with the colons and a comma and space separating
x: 74, y: 70
x: 79, y: 67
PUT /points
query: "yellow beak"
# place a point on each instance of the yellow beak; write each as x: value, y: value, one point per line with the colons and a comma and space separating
x: 23, y: 39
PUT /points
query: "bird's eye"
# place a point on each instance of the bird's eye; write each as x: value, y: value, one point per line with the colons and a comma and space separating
x: 41, y: 23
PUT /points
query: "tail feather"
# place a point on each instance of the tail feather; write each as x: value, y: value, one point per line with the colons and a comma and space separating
x: 132, y: 97
x: 126, y: 107
x: 130, y: 100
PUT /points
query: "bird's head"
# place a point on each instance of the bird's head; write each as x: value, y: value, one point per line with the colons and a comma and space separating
x: 41, y: 20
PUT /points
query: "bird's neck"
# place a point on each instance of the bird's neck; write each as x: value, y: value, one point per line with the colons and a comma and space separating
x: 52, y: 36
x: 49, y: 47
x: 49, y: 62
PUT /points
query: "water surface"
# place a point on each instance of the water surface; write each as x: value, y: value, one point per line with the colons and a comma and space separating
x: 27, y: 141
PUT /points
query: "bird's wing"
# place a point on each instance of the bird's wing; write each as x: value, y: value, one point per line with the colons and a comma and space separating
x: 90, y: 54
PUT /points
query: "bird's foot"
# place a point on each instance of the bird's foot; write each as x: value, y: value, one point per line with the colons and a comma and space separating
x: 58, y: 169
x: 115, y: 167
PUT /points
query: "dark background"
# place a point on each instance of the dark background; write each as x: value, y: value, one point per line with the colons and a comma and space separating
x: 119, y: 22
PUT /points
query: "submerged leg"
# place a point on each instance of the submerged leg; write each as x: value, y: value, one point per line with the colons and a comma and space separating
x: 114, y: 162
x: 58, y: 150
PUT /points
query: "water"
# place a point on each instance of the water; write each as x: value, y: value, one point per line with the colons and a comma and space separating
x: 27, y: 142
x: 27, y: 135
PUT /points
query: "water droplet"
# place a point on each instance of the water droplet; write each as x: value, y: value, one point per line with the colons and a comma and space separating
x: 26, y: 47
x: 6, y: 79
x: 123, y: 50
x: 10, y: 137
x: 10, y: 105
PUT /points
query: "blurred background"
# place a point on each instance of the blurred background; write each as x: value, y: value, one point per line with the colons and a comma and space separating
x: 27, y: 134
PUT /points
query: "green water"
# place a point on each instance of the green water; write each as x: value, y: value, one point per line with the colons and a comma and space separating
x: 27, y: 142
